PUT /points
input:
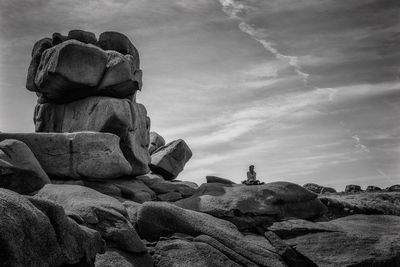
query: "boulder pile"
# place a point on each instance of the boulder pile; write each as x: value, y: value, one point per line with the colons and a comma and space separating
x: 93, y: 187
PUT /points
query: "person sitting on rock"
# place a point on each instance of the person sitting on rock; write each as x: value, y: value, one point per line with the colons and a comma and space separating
x: 251, y: 177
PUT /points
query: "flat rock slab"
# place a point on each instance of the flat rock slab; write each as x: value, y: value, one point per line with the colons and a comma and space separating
x: 278, y: 200
x: 122, y: 117
x: 19, y: 169
x: 81, y: 155
x: 360, y: 240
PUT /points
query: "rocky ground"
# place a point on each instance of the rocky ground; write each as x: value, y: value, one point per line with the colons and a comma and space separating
x: 94, y: 187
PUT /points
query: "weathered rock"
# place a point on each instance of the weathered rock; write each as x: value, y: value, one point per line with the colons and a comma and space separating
x: 122, y: 117
x: 394, y: 188
x: 318, y: 189
x: 120, y: 43
x: 121, y: 189
x: 156, y: 141
x: 169, y: 160
x: 188, y: 183
x: 274, y: 200
x: 115, y: 257
x: 132, y: 208
x: 81, y: 155
x: 160, y: 186
x: 216, y: 179
x: 37, y: 51
x: 37, y: 233
x: 157, y: 219
x: 82, y: 36
x: 170, y: 197
x: 184, y: 253
x: 297, y: 227
x: 19, y: 169
x: 340, y: 205
x: 361, y: 240
x: 58, y: 38
x: 70, y: 70
x: 98, y: 211
x: 352, y: 188
x: 372, y: 188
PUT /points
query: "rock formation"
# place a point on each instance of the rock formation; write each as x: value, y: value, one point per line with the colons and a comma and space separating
x: 102, y: 190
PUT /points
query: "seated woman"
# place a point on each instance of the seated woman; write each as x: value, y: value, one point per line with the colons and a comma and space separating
x: 252, y: 177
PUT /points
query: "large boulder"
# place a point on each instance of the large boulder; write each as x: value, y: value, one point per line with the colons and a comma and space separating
x: 169, y: 160
x: 120, y: 258
x: 359, y: 240
x: 394, y: 188
x: 81, y: 155
x: 158, y: 219
x: 156, y: 141
x: 352, y: 188
x: 121, y: 117
x: 273, y: 201
x: 340, y: 205
x: 98, y: 211
x: 19, y: 169
x: 319, y: 189
x: 35, y: 232
x: 75, y: 68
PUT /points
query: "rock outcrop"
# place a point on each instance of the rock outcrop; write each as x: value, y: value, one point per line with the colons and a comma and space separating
x: 19, y: 169
x: 169, y: 160
x: 319, y: 189
x: 351, y: 188
x: 156, y: 141
x: 121, y: 117
x: 216, y: 179
x: 35, y: 232
x: 81, y: 155
x: 249, y: 206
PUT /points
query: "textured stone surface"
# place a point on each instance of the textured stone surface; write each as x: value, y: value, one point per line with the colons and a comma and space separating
x: 339, y: 205
x: 19, y: 169
x: 81, y: 155
x: 119, y: 258
x: 352, y: 188
x: 157, y: 219
x: 98, y: 211
x: 276, y: 200
x: 319, y: 189
x: 170, y: 197
x: 297, y: 227
x: 169, y: 160
x: 122, y: 117
x: 82, y: 36
x: 184, y: 253
x: 35, y: 232
x: 156, y: 141
x: 160, y: 186
x: 361, y: 240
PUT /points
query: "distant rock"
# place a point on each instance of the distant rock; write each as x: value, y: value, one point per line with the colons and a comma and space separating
x: 269, y: 202
x: 82, y: 36
x: 394, y: 188
x: 98, y: 211
x: 372, y: 188
x: 169, y: 160
x: 318, y: 189
x: 158, y: 219
x: 352, y: 188
x: 156, y: 141
x: 121, y: 117
x: 58, y: 38
x: 35, y: 232
x: 360, y: 240
x: 80, y: 155
x: 216, y: 179
x: 19, y: 169
x: 340, y: 205
x: 298, y: 227
x: 188, y: 183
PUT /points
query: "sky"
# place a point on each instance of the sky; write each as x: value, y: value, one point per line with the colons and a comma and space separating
x: 308, y: 90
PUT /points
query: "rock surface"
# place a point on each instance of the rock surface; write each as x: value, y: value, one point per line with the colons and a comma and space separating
x: 158, y: 219
x: 19, y: 169
x: 274, y: 200
x: 169, y: 160
x: 119, y: 258
x: 98, y: 211
x: 37, y: 233
x: 81, y: 155
x: 361, y: 240
x: 216, y: 179
x: 319, y: 189
x: 352, y: 188
x: 156, y: 141
x: 122, y: 117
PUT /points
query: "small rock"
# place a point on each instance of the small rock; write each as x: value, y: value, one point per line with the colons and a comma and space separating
x: 216, y: 179
x: 351, y: 188
x: 170, y: 196
x: 82, y: 36
x: 156, y: 141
